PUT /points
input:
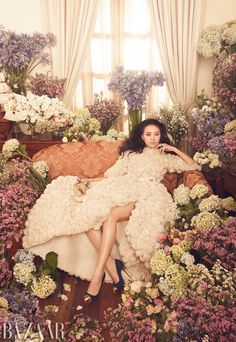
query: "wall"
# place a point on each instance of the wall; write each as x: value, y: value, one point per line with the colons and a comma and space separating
x: 217, y: 12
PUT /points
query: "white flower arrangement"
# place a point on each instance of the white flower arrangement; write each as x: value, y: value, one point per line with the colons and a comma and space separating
x: 210, y: 203
x: 42, y: 113
x: 175, y: 120
x: 10, y: 146
x: 181, y: 195
x: 43, y: 286
x: 111, y: 135
x: 230, y: 126
x: 23, y: 272
x: 198, y: 191
x: 207, y: 158
x: 215, y: 38
x: 83, y: 128
x: 41, y: 167
x: 206, y: 220
x: 229, y: 203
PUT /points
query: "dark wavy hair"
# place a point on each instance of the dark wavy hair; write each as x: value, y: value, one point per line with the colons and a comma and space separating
x: 135, y: 142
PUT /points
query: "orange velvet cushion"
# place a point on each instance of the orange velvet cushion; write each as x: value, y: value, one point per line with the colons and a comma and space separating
x: 88, y: 159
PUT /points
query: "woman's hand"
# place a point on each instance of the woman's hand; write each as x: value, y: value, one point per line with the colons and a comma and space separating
x: 166, y: 148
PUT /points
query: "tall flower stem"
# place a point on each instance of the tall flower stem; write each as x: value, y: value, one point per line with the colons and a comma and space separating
x: 134, y: 117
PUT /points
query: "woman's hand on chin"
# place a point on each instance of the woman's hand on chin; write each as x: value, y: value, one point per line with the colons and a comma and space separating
x: 166, y: 148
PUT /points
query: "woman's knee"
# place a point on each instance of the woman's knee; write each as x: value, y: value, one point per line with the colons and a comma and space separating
x: 121, y: 213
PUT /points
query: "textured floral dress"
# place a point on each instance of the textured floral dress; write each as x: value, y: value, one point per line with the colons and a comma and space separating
x: 59, y: 219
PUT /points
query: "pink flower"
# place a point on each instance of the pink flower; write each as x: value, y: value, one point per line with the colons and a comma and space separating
x: 162, y: 237
x: 176, y: 241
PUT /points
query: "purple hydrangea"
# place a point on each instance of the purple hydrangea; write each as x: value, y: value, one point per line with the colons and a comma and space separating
x: 133, y: 86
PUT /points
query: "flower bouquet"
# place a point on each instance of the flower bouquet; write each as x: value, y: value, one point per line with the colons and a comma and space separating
x: 20, y: 54
x: 216, y: 39
x: 41, y: 113
x: 105, y: 111
x: 175, y: 120
x: 133, y: 87
x: 41, y: 84
x: 83, y: 128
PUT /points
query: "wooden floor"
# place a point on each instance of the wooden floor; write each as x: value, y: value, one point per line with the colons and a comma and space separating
x: 67, y: 309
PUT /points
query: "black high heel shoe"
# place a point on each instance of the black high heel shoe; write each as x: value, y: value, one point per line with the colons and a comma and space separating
x: 118, y: 287
x: 88, y: 298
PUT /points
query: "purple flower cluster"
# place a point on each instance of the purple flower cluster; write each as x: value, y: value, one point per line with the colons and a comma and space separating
x: 42, y: 84
x: 21, y: 301
x: 125, y: 327
x: 5, y: 274
x: 218, y: 243
x: 211, y: 122
x: 224, y: 80
x: 133, y: 86
x: 17, y: 51
x: 16, y: 199
x: 199, y: 317
x: 217, y: 146
x: 106, y: 111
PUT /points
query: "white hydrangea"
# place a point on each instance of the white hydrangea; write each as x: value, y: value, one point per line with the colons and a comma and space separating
x: 23, y: 272
x: 211, y: 203
x: 206, y: 220
x: 207, y: 157
x: 41, y: 167
x: 33, y: 337
x: 187, y: 259
x: 24, y: 256
x: 43, y: 287
x: 214, y: 37
x: 198, y: 191
x: 3, y: 303
x: 230, y: 126
x: 10, y: 146
x: 181, y: 195
x: 229, y: 203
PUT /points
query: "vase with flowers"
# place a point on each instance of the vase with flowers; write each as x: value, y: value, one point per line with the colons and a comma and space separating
x: 44, y: 84
x: 133, y: 87
x: 20, y: 53
x: 42, y: 113
x: 106, y: 111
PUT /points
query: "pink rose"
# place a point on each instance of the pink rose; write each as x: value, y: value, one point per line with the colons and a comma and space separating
x: 176, y: 241
x: 162, y: 237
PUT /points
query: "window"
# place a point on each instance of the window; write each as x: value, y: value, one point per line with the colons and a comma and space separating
x: 122, y: 36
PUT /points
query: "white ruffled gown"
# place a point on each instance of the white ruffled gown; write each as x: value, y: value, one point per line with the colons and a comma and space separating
x: 59, y: 220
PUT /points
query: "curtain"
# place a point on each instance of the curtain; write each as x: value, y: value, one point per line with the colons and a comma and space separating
x: 177, y: 25
x: 73, y: 23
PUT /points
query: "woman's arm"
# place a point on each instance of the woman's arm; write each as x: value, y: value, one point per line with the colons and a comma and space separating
x: 168, y: 148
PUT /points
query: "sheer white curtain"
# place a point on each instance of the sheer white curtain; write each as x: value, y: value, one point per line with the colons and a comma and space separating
x: 177, y: 25
x: 73, y: 23
x: 122, y: 36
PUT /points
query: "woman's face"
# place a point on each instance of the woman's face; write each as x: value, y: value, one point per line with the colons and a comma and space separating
x: 151, y: 136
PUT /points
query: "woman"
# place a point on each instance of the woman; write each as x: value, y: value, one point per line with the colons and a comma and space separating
x: 131, y: 190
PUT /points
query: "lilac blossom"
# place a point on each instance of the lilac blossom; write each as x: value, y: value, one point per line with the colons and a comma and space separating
x: 204, y: 318
x: 21, y: 301
x: 224, y: 80
x: 133, y: 86
x: 218, y: 243
x: 41, y: 84
x: 20, y: 53
x: 5, y: 274
x: 106, y: 111
x: 216, y: 145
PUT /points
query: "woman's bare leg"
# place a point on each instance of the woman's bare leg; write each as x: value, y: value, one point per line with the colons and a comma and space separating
x: 95, y: 237
x: 117, y: 214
